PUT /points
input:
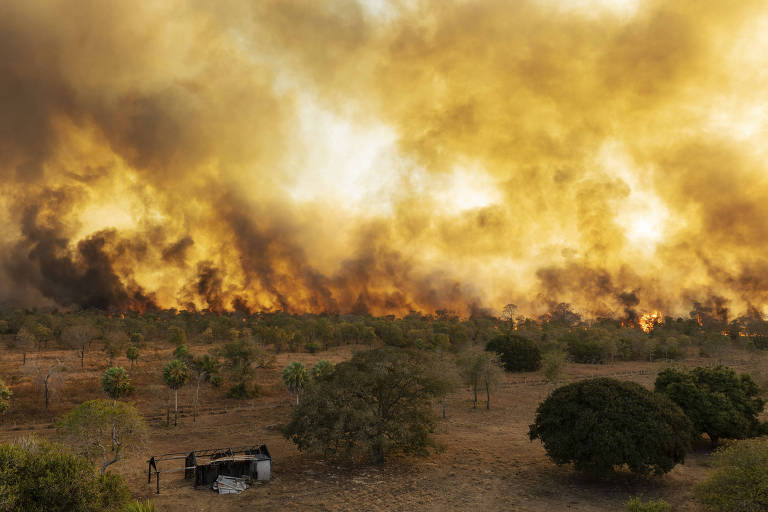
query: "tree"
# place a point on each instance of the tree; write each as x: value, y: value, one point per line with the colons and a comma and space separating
x: 175, y: 375
x: 718, y: 402
x: 115, y: 382
x: 480, y: 370
x: 295, y: 378
x: 105, y: 428
x: 554, y: 362
x: 115, y: 342
x: 45, y: 376
x: 38, y: 475
x: 26, y: 341
x: 79, y: 337
x: 240, y: 358
x: 5, y: 397
x: 132, y: 353
x: 182, y: 353
x: 378, y: 402
x: 601, y: 424
x: 739, y: 482
x: 204, y: 367
x: 516, y: 353
x: 321, y: 369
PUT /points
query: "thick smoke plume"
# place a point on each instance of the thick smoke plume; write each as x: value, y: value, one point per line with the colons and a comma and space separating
x: 381, y: 157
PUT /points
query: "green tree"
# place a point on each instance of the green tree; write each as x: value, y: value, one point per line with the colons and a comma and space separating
x: 115, y: 382
x: 182, y: 353
x: 516, y: 353
x: 378, y: 402
x: 5, y: 397
x: 40, y: 476
x: 104, y: 428
x: 601, y: 424
x: 718, y: 402
x: 295, y: 378
x: 321, y: 369
x: 739, y: 482
x: 175, y: 375
x: 132, y: 353
x: 204, y: 368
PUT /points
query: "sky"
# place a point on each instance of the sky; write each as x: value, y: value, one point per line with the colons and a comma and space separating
x: 381, y: 157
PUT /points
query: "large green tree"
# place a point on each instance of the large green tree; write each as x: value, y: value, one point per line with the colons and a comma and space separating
x: 378, y: 402
x: 104, y: 428
x: 718, y: 402
x: 602, y: 424
x: 37, y: 475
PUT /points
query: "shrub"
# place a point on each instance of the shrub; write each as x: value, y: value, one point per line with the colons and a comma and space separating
x: 243, y: 391
x: 38, y: 475
x: 516, y: 353
x: 636, y: 505
x: 718, y: 402
x: 5, y: 397
x: 740, y: 479
x: 601, y: 424
x: 583, y: 348
x: 312, y: 347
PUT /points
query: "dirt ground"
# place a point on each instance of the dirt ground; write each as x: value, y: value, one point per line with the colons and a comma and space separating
x: 486, y: 461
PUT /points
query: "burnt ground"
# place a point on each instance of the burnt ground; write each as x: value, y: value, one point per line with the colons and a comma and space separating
x: 485, y: 461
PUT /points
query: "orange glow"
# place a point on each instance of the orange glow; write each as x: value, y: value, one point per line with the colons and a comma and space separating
x: 649, y: 321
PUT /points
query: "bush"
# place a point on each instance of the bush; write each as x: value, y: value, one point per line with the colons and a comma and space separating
x: 601, y: 424
x: 636, y: 505
x: 583, y: 348
x: 740, y: 480
x: 38, y: 475
x: 718, y: 402
x: 516, y: 353
x: 243, y: 391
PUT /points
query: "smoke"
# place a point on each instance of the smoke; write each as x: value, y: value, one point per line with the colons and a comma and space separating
x: 351, y: 156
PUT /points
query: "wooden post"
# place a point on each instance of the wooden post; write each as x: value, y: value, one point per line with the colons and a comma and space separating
x: 157, y: 479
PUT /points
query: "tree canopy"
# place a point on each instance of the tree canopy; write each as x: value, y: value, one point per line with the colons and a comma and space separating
x: 718, y: 402
x: 377, y: 403
x: 5, y: 397
x: 602, y: 424
x: 517, y: 354
x: 37, y: 475
x: 116, y: 383
x: 739, y: 482
x: 103, y: 428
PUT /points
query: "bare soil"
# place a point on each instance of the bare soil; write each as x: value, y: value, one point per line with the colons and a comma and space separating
x: 486, y: 461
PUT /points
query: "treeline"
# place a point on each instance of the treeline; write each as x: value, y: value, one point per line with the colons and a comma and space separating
x: 583, y: 340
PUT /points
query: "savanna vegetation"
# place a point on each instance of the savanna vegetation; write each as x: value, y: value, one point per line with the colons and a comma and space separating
x: 390, y: 397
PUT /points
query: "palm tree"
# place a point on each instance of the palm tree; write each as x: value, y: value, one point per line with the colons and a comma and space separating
x: 175, y: 374
x: 321, y: 369
x: 116, y: 383
x: 295, y: 377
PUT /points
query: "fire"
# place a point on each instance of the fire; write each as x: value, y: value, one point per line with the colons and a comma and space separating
x: 648, y: 321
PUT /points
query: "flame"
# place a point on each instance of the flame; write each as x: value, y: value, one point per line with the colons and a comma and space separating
x: 648, y: 321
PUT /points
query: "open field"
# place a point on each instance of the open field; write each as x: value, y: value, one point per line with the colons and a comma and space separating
x: 486, y: 461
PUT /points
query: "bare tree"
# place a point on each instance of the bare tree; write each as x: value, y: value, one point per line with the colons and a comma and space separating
x: 44, y: 376
x: 25, y: 341
x: 79, y: 337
